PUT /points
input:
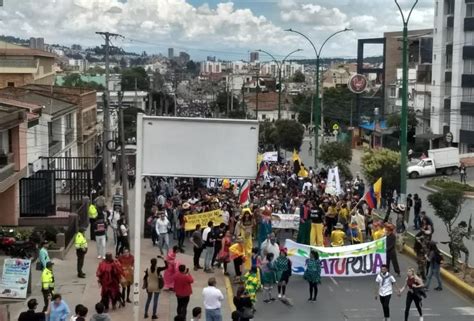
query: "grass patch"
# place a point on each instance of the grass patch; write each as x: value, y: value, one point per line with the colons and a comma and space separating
x: 446, y: 183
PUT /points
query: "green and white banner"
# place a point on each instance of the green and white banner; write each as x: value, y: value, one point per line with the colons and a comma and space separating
x: 342, y: 261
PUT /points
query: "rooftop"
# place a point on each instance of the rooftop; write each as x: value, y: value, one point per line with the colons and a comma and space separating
x: 11, y: 50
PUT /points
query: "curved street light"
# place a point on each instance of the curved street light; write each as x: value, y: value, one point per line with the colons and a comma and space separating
x: 317, y: 106
x: 279, y: 65
x: 404, y: 111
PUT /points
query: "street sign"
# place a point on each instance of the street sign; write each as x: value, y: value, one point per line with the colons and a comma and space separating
x: 335, y: 127
x: 357, y: 84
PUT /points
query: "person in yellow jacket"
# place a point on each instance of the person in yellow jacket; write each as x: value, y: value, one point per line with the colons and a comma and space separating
x: 80, y: 243
x: 378, y: 232
x: 47, y: 283
x: 337, y: 235
x: 237, y: 254
x: 92, y: 213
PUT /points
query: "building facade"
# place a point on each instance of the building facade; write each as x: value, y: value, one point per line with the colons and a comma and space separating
x: 452, y: 109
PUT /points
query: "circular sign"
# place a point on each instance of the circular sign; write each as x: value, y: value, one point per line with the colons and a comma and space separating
x: 357, y: 83
x: 335, y: 127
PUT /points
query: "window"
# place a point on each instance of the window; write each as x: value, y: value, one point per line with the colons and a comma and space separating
x: 4, y: 142
x: 469, y: 10
x: 468, y: 67
x: 449, y: 7
x: 469, y: 38
x: 447, y: 89
x: 449, y: 61
x: 69, y: 121
x: 293, y: 116
x: 11, y: 84
x: 436, y: 8
x: 468, y: 95
x: 264, y: 116
x: 467, y: 122
x: 50, y: 132
x: 393, y: 92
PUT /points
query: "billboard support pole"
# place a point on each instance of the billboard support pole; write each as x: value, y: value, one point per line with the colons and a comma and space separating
x: 137, y: 218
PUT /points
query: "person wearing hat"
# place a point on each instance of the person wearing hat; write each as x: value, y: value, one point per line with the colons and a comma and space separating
x: 47, y: 284
x: 391, y: 248
x: 80, y: 243
x: 337, y: 235
x: 237, y: 254
x: 43, y: 255
x: 356, y: 234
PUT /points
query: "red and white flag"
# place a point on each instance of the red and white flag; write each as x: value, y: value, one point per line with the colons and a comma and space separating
x: 244, y: 192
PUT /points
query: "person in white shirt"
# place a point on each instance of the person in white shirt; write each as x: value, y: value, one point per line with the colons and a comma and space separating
x: 113, y: 218
x: 208, y: 239
x: 225, y: 215
x: 270, y: 246
x: 162, y: 227
x: 213, y: 298
x: 384, y: 290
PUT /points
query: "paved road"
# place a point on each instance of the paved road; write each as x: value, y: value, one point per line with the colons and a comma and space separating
x: 348, y: 299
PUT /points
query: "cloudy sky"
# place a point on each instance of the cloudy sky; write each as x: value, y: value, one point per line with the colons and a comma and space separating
x: 226, y: 29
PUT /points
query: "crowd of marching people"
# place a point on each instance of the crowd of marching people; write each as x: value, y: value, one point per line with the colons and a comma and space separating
x: 244, y: 238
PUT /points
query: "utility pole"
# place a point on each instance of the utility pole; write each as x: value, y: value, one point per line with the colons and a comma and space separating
x: 404, y: 113
x: 107, y: 134
x: 257, y: 89
x: 123, y: 161
x: 135, y: 99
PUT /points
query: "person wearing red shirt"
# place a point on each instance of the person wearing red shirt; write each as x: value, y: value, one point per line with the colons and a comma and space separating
x: 183, y: 289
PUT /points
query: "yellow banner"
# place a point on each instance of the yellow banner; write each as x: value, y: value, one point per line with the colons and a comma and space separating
x: 203, y: 218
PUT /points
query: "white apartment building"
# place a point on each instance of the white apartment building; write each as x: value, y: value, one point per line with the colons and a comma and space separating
x: 453, y: 72
x: 78, y: 64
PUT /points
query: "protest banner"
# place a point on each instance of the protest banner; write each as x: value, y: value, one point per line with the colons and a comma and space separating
x: 202, y: 218
x: 15, y: 278
x: 342, y: 261
x: 270, y: 157
x: 285, y: 221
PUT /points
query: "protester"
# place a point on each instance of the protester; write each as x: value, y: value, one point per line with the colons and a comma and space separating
x: 78, y: 313
x: 208, y: 239
x: 59, y: 310
x: 108, y: 275
x: 391, y: 248
x: 312, y: 274
x: 268, y: 277
x: 252, y: 283
x: 436, y: 259
x: 31, y: 314
x: 338, y: 236
x: 219, y: 233
x: 122, y: 236
x: 196, y: 241
x: 196, y: 313
x: 162, y: 227
x: 213, y: 298
x: 421, y: 252
x: 113, y: 219
x: 417, y: 209
x: 117, y: 199
x: 317, y: 220
x: 384, y: 290
x: 100, y: 230
x: 80, y: 243
x: 224, y: 253
x: 151, y: 284
x: 237, y: 254
x: 47, y: 284
x: 100, y: 314
x: 183, y: 289
x: 304, y: 232
x: 172, y: 268
x: 127, y: 262
x: 415, y: 292
x: 283, y: 272
x: 243, y: 304
x: 270, y: 245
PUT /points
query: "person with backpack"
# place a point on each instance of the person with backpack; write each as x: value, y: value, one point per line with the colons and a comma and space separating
x: 152, y: 284
x: 436, y: 259
x: 385, y: 282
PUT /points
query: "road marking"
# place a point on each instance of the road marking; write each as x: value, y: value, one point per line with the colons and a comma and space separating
x: 465, y: 310
x: 334, y: 281
x: 330, y: 288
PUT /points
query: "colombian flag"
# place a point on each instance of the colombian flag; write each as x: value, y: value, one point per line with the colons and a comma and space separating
x: 369, y: 197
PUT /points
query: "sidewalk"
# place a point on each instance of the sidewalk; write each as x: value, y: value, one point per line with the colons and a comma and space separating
x: 86, y: 291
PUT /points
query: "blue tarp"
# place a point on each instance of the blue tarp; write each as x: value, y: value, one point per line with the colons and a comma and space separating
x: 371, y: 125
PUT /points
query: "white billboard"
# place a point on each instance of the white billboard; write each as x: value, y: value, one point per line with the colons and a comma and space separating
x: 199, y: 147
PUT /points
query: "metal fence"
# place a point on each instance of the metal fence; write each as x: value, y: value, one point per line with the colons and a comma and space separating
x: 37, y: 195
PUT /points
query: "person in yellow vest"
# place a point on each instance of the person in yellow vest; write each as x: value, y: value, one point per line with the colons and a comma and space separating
x: 379, y: 231
x: 47, y: 283
x: 337, y: 235
x: 80, y: 244
x: 92, y: 213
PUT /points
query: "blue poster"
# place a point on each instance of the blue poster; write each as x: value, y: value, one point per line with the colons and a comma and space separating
x: 15, y: 278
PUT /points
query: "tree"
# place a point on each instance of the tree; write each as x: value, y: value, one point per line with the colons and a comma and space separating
x: 302, y: 104
x: 337, y: 105
x: 383, y: 163
x: 289, y: 134
x: 394, y: 120
x: 130, y: 74
x: 298, y: 76
x: 267, y: 135
x: 75, y: 80
x: 335, y: 153
x: 447, y: 205
x: 192, y: 68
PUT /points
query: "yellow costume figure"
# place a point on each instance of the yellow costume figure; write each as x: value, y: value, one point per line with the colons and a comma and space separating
x: 378, y: 232
x: 338, y: 235
x: 246, y: 226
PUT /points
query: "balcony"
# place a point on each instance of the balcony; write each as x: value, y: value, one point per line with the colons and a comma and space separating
x: 54, y: 147
x: 7, y: 166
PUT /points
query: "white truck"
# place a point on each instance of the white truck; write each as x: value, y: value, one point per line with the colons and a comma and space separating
x: 439, y: 161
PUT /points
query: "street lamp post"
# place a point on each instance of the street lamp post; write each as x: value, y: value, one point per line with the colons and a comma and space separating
x: 404, y: 113
x: 316, y: 102
x: 279, y: 65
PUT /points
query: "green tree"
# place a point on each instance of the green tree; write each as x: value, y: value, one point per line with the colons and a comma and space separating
x: 130, y: 121
x: 447, y: 205
x: 130, y: 74
x: 75, y: 80
x: 337, y: 105
x: 302, y: 104
x: 267, y: 135
x: 298, y: 76
x: 394, y: 120
x: 289, y: 134
x: 383, y: 163
x: 335, y: 153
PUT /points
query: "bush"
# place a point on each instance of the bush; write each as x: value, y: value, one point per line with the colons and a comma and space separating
x: 49, y: 232
x: 446, y: 183
x: 383, y: 163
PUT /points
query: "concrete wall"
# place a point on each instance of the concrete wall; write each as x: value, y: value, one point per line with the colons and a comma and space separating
x: 37, y: 140
x: 9, y: 201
